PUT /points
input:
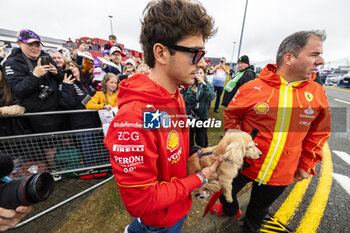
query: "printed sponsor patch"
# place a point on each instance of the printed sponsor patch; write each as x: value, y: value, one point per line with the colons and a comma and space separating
x: 261, y: 108
x: 129, y: 163
x: 127, y: 125
x: 126, y: 136
x: 308, y: 113
x: 174, y: 158
x: 304, y: 123
x: 128, y: 148
x: 173, y: 140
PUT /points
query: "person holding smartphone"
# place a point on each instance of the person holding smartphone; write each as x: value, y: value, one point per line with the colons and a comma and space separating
x: 198, y: 98
x: 33, y: 78
x: 220, y: 72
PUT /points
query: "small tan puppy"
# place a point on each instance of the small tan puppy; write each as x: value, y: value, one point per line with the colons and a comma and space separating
x: 233, y: 147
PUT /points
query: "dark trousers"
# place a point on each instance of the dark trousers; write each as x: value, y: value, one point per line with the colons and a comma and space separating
x: 261, y: 199
x: 138, y: 226
x: 218, y: 91
x: 199, y: 135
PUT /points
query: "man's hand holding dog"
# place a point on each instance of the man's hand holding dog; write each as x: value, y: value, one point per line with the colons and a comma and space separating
x: 207, y: 171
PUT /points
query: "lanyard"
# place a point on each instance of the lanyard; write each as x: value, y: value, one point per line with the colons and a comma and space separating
x: 106, y: 98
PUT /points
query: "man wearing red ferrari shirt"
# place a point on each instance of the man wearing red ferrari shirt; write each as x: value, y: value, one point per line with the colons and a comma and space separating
x: 148, y: 140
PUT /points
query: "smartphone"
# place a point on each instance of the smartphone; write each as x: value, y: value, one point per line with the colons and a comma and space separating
x: 8, y: 44
x: 68, y: 72
x: 45, y: 60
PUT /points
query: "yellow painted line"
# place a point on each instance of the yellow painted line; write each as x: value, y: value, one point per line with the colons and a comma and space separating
x: 287, y: 210
x: 338, y: 89
x: 273, y: 228
x: 317, y: 206
x: 267, y: 231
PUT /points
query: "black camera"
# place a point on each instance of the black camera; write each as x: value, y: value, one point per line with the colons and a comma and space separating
x: 45, y: 91
x: 45, y: 60
x: 24, y: 191
x: 68, y: 72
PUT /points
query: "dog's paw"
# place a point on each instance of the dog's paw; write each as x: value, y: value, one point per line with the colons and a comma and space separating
x: 229, y: 199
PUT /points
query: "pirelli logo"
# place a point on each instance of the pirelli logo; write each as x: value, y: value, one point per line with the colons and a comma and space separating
x: 128, y: 148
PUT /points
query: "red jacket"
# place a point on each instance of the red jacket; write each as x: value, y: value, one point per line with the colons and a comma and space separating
x: 293, y: 120
x: 149, y: 165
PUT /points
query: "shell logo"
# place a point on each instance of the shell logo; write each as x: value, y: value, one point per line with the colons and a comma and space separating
x: 261, y: 108
x: 173, y: 140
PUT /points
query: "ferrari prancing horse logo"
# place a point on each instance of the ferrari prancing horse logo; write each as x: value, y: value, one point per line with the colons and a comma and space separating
x: 308, y: 96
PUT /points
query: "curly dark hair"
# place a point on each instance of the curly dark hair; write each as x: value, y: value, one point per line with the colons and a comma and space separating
x: 169, y: 21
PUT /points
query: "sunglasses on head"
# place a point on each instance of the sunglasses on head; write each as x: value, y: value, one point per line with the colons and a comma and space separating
x: 198, y: 53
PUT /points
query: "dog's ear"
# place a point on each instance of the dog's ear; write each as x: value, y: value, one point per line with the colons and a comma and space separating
x: 234, y: 150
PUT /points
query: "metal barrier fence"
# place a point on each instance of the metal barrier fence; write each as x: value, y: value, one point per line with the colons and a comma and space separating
x: 69, y: 153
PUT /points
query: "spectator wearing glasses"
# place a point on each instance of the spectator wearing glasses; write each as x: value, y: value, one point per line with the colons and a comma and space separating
x: 150, y: 165
x: 116, y: 57
x: 220, y: 72
x: 32, y: 82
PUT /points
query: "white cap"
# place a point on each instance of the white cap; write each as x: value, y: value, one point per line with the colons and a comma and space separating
x: 114, y: 49
x: 131, y: 61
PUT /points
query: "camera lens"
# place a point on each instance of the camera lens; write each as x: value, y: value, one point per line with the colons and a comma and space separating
x: 26, y: 191
x: 39, y: 187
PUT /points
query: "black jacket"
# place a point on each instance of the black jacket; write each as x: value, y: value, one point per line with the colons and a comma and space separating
x: 28, y: 88
x: 75, y: 96
x: 248, y: 75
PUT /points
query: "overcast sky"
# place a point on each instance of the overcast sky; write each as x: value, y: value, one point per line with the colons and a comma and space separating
x: 267, y: 23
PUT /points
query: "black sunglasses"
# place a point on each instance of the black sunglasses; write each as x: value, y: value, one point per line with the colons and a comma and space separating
x: 198, y: 54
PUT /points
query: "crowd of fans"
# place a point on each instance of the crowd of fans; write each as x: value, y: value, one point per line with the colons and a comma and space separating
x: 33, y: 80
